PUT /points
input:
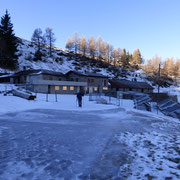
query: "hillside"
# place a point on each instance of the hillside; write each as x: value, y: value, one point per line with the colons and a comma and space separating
x: 61, y: 61
x: 64, y: 61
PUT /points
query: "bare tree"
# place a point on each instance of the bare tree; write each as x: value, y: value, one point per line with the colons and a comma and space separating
x: 50, y: 39
x: 102, y: 49
x: 76, y: 42
x: 37, y: 38
x: 116, y: 56
x: 92, y: 46
x: 83, y: 45
x: 168, y: 68
x: 98, y: 45
x: 108, y: 51
x: 69, y: 44
x: 137, y: 59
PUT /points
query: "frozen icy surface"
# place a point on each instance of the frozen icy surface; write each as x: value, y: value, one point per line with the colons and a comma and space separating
x: 114, y: 144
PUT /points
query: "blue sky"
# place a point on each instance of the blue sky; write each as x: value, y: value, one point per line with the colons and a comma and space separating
x: 153, y: 26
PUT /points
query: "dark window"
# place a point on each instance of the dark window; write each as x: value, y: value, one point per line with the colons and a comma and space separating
x: 105, y: 83
x: 50, y: 78
x: 77, y: 79
x: 60, y: 79
x: 89, y: 80
x: 92, y: 80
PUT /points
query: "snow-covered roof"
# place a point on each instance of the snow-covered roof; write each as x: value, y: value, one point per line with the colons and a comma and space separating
x: 87, y: 74
x: 39, y: 71
x: 130, y: 84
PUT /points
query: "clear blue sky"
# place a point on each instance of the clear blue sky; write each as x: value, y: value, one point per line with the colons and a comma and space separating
x: 153, y: 26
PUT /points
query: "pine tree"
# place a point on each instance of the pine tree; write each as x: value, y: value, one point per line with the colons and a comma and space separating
x: 7, y: 35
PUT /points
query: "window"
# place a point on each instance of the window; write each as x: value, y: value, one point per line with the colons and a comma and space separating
x: 71, y: 88
x: 105, y: 83
x: 77, y: 79
x: 105, y: 88
x: 64, y: 88
x: 95, y: 88
x: 92, y: 80
x: 89, y: 80
x: 60, y: 79
x: 50, y: 78
x: 56, y: 88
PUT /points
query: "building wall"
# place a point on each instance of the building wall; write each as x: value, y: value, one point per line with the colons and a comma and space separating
x: 95, y: 84
x: 52, y: 89
x: 143, y: 90
x: 39, y: 88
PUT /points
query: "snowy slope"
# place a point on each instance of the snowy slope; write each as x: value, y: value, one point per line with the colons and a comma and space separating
x: 61, y: 60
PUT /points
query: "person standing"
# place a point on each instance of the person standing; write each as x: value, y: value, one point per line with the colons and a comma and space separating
x: 79, y: 98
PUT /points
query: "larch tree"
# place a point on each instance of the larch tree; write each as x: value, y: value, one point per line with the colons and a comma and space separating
x: 50, y: 39
x: 176, y: 70
x: 38, y: 38
x: 69, y: 44
x: 116, y: 56
x: 102, y: 49
x: 136, y: 58
x: 168, y: 68
x: 8, y: 37
x: 92, y: 46
x: 124, y: 58
x: 156, y: 60
x: 98, y: 45
x: 108, y: 51
x: 83, y: 45
x: 76, y: 42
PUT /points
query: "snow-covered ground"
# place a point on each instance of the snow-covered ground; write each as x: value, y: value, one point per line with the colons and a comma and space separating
x: 58, y: 140
x: 172, y: 90
x: 12, y: 103
x: 102, y: 144
x: 64, y: 102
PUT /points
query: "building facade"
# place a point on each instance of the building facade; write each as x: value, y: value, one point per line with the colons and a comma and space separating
x: 125, y: 85
x: 95, y: 82
x: 45, y: 81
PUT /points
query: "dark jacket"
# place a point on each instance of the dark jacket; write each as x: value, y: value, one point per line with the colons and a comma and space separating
x: 79, y: 96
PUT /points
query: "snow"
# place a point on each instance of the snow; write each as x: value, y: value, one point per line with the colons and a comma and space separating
x: 64, y: 102
x: 58, y: 140
x: 155, y: 155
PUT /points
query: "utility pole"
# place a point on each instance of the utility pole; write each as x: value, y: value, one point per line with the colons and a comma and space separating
x: 158, y: 87
x: 158, y: 79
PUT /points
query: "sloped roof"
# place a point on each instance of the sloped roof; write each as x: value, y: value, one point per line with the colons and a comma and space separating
x: 87, y: 74
x: 129, y: 84
x: 38, y: 71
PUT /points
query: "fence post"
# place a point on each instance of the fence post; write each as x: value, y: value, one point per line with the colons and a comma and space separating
x: 47, y: 97
x: 56, y: 96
